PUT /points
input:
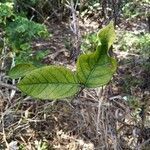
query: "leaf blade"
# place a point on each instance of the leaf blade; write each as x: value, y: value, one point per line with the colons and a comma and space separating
x: 97, y: 75
x: 107, y: 36
x: 21, y: 70
x: 96, y: 69
x: 50, y: 82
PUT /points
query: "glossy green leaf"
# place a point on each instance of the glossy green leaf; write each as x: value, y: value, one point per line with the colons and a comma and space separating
x: 50, y: 82
x: 96, y: 69
x: 21, y: 70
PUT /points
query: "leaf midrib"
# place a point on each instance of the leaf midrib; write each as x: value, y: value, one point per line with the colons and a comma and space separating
x: 49, y: 83
x: 94, y: 67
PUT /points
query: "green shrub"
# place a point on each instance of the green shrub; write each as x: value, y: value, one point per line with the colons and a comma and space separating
x: 6, y: 11
x: 19, y: 32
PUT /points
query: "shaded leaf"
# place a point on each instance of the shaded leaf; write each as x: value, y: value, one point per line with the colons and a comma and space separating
x: 21, y: 70
x: 96, y: 69
x: 50, y: 82
x: 107, y: 36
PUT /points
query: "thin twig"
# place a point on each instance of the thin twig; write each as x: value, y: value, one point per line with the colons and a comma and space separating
x: 3, y: 131
x: 100, y: 97
x: 74, y: 26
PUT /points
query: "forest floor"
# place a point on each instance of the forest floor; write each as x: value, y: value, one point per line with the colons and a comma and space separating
x: 117, y: 118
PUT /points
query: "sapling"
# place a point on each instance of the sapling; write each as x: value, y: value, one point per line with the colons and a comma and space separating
x: 56, y: 82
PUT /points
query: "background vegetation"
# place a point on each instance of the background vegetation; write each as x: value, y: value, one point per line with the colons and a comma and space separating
x: 116, y: 116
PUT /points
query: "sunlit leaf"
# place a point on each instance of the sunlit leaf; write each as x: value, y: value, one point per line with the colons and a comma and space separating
x: 50, y: 82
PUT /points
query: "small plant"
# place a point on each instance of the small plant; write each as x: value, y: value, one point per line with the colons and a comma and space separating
x: 55, y: 82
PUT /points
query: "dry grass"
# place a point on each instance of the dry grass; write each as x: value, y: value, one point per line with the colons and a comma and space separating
x: 91, y: 121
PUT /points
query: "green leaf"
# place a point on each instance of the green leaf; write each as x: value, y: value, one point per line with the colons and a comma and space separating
x: 6, y: 10
x: 96, y: 69
x: 107, y: 36
x: 50, y: 82
x: 21, y: 70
